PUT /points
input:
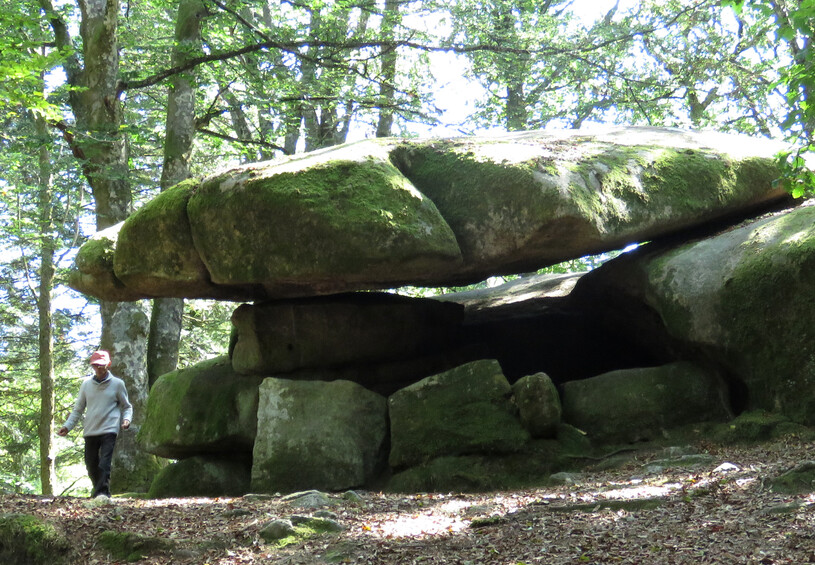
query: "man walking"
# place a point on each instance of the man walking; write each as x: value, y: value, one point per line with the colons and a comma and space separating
x: 105, y: 398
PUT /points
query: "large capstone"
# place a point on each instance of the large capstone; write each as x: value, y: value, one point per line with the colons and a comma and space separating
x: 386, y: 212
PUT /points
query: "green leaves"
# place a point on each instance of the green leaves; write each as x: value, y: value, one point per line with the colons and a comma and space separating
x: 798, y: 177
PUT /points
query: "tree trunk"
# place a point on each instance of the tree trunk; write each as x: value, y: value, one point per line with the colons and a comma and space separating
x: 46, y: 337
x: 96, y: 106
x: 388, y: 79
x: 125, y: 336
x: 165, y: 321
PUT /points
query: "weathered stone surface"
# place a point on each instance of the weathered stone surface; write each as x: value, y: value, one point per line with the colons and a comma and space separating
x: 93, y: 269
x: 743, y: 300
x: 202, y: 476
x: 520, y: 201
x: 204, y: 409
x: 358, y: 329
x: 322, y: 223
x: 472, y: 473
x: 323, y: 435
x: 382, y: 213
x: 538, y: 404
x: 467, y: 410
x: 155, y: 251
x: 637, y: 404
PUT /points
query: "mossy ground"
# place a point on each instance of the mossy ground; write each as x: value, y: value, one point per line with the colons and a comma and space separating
x: 308, y: 529
x: 130, y: 547
x: 28, y: 540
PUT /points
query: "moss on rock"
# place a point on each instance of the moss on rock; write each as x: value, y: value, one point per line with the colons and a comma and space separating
x: 467, y: 410
x: 349, y: 218
x: 201, y: 409
x: 480, y: 473
x: 130, y: 547
x: 155, y: 251
x: 201, y: 476
x: 756, y: 426
x: 637, y: 404
x: 93, y: 268
x: 745, y: 298
x: 317, y: 435
x: 28, y: 540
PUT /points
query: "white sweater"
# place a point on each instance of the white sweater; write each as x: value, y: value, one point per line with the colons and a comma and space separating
x: 107, y: 405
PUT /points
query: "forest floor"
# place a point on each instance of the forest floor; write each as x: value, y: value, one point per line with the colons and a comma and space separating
x: 717, y: 508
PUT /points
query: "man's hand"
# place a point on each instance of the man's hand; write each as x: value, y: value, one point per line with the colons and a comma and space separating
x: 63, y: 431
x: 125, y: 424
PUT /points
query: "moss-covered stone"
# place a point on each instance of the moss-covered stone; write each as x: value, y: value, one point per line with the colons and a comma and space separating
x: 317, y: 435
x: 467, y: 410
x: 203, y: 476
x: 28, y: 540
x: 283, y: 532
x: 207, y: 408
x: 535, y: 200
x: 346, y: 215
x: 481, y: 473
x: 382, y: 213
x: 155, y: 251
x: 800, y: 480
x: 493, y: 206
x: 93, y: 268
x: 746, y: 297
x: 758, y: 425
x: 538, y: 404
x: 130, y: 547
x: 637, y: 404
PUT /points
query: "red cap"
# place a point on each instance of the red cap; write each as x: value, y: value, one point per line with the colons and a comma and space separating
x: 100, y: 358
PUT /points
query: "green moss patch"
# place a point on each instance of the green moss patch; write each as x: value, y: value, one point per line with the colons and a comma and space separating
x: 155, y: 247
x: 331, y: 219
x: 800, y: 480
x: 476, y: 473
x: 757, y: 426
x: 27, y: 540
x: 207, y: 407
x: 130, y: 547
x: 307, y: 529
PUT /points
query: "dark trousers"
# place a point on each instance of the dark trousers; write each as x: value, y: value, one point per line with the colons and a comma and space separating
x: 98, y: 457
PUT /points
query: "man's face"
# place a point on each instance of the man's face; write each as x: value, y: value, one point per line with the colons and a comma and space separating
x: 100, y: 370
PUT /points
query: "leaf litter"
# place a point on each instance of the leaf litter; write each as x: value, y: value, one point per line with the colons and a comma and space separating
x: 720, y: 512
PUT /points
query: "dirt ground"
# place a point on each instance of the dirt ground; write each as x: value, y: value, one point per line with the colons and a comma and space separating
x: 653, y: 507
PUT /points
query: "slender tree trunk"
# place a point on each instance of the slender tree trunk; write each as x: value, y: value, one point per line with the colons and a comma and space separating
x: 165, y: 321
x: 389, y: 55
x: 46, y: 338
x: 100, y: 142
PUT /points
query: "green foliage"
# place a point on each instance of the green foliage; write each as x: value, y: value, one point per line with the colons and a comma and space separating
x: 794, y: 26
